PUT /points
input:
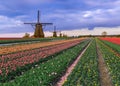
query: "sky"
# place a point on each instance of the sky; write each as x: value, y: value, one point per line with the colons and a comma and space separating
x: 72, y: 17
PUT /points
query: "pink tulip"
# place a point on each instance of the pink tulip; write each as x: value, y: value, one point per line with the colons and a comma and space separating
x: 12, y: 61
x: 0, y: 72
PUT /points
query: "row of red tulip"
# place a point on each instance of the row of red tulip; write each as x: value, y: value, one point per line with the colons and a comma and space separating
x: 112, y: 39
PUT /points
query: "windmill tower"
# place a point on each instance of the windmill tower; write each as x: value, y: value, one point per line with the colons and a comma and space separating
x: 60, y: 34
x: 39, y: 27
x: 54, y: 32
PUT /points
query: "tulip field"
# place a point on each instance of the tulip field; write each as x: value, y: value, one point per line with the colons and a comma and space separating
x: 20, y: 40
x: 44, y: 63
x: 112, y: 39
x: 86, y: 72
x: 112, y: 62
x: 114, y: 43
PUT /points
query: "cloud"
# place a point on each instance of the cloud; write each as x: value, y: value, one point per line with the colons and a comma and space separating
x: 65, y: 14
x: 85, y: 19
x: 13, y: 25
x: 2, y: 7
x: 103, y: 3
x: 10, y: 35
x: 95, y: 31
x: 36, y: 2
x: 47, y: 34
x: 75, y: 32
x: 6, y: 22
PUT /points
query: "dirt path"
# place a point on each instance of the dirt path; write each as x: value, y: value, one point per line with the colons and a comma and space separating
x: 105, y: 78
x: 69, y: 70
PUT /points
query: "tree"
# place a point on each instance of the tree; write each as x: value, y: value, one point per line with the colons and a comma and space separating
x: 104, y: 33
x: 64, y: 35
x: 27, y: 35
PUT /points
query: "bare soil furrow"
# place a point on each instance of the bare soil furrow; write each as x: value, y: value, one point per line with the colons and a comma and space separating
x: 105, y: 78
x: 70, y: 69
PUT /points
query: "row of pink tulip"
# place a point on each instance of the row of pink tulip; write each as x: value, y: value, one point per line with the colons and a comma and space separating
x: 13, y: 56
x: 11, y: 62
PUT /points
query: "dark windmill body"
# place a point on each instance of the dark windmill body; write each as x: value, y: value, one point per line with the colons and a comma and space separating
x: 54, y: 32
x: 60, y: 34
x: 39, y: 33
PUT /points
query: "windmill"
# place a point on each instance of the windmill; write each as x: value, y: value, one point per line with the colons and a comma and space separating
x: 60, y: 34
x: 39, y: 27
x: 54, y: 32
